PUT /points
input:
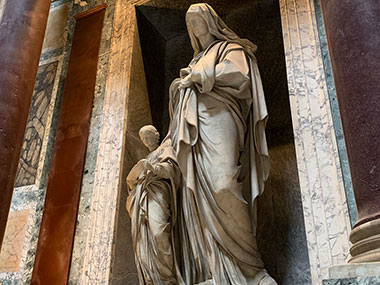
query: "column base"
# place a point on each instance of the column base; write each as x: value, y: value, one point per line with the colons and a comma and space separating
x: 365, y: 243
x: 354, y: 274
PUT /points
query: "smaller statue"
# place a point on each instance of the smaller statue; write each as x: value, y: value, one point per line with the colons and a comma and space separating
x: 153, y: 184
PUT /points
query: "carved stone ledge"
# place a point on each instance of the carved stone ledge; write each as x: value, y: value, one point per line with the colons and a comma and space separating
x: 366, y: 243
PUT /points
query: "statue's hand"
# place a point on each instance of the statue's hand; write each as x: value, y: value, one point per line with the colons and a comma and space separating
x: 185, y: 82
x: 147, y: 165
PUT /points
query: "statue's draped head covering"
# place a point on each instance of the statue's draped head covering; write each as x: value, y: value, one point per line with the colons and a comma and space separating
x: 216, y: 27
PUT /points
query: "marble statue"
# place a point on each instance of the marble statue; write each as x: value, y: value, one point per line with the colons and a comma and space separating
x: 152, y: 207
x: 218, y: 118
x: 193, y: 199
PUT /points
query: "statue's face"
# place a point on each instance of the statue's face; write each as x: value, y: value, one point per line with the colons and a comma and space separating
x: 149, y: 139
x: 197, y: 24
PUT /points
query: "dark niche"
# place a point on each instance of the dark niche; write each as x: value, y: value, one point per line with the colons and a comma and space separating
x: 166, y: 48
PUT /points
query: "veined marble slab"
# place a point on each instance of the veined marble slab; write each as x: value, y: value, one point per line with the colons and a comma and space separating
x: 34, y: 149
x: 370, y: 280
x: 26, y: 211
x: 323, y: 196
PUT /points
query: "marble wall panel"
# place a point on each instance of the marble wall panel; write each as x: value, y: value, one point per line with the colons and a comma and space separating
x: 324, y: 203
x: 14, y: 239
x: 370, y: 280
x: 37, y: 123
x: 55, y: 30
x: 40, y: 133
x: 25, y: 215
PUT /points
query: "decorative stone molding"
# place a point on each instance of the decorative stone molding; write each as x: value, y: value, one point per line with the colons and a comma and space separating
x: 366, y: 242
x: 323, y: 196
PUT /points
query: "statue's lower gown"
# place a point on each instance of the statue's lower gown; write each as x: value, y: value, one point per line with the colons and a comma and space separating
x: 152, y: 207
x: 217, y: 131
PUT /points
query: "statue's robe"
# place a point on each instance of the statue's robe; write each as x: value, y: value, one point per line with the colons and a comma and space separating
x: 217, y: 131
x: 152, y: 207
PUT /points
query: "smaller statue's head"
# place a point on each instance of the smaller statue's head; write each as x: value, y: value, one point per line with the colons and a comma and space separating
x: 149, y: 136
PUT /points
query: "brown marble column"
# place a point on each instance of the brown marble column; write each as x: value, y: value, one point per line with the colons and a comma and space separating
x: 353, y: 35
x: 22, y: 30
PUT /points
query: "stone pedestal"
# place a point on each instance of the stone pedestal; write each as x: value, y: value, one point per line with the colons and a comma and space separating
x: 363, y: 273
x: 366, y: 243
x: 353, y: 34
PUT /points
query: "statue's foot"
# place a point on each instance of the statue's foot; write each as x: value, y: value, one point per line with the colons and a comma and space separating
x: 267, y: 280
x: 207, y: 282
x: 261, y: 278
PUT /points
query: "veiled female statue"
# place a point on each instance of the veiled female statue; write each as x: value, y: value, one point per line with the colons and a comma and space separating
x: 218, y: 118
x: 193, y: 200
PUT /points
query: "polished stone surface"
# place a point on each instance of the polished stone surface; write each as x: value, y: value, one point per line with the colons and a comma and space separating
x: 22, y: 31
x: 353, y: 36
x: 353, y: 281
x: 354, y: 270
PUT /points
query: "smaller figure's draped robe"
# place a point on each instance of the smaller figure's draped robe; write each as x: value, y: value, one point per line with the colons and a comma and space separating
x: 152, y: 207
x: 218, y: 133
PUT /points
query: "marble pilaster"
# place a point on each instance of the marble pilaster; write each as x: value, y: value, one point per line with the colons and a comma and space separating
x: 108, y: 169
x: 323, y: 196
